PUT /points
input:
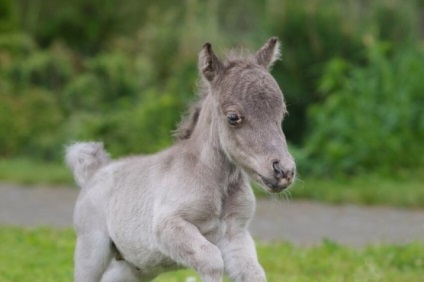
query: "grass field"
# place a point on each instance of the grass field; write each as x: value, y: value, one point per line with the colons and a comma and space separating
x: 29, y: 172
x: 406, y: 190
x: 44, y: 254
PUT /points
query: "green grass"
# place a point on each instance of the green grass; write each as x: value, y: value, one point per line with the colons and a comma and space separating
x: 46, y: 255
x: 29, y: 172
x: 405, y: 190
x: 35, y: 255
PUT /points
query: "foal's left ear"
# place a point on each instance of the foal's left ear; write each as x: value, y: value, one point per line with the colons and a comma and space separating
x: 269, y: 53
x: 209, y: 64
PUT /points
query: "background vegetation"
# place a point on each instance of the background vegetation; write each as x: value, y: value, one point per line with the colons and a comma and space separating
x: 124, y: 71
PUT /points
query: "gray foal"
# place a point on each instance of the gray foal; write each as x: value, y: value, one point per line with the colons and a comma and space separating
x: 188, y: 205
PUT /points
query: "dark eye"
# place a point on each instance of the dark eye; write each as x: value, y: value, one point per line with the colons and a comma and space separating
x: 233, y: 119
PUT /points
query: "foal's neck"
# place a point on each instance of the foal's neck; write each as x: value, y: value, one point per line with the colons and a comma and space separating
x: 205, y: 141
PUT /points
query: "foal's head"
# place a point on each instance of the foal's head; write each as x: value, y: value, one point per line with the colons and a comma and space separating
x: 249, y: 110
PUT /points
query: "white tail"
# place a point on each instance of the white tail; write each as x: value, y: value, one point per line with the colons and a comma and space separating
x: 84, y: 159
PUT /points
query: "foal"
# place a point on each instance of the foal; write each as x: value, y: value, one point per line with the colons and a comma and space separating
x: 189, y: 205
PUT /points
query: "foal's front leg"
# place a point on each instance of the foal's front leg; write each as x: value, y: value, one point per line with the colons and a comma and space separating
x: 184, y: 243
x: 241, y: 262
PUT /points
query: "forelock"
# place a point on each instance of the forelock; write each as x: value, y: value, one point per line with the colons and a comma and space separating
x: 239, y: 55
x: 247, y: 82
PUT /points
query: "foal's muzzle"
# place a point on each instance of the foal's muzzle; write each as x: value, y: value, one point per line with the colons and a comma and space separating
x: 282, y: 177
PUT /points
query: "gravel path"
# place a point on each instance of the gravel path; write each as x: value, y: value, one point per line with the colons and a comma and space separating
x: 301, y: 222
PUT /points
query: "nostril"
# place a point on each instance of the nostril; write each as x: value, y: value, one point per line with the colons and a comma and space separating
x: 290, y: 174
x: 278, y: 169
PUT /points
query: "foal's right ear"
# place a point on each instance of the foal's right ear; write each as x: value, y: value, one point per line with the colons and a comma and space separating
x: 209, y: 65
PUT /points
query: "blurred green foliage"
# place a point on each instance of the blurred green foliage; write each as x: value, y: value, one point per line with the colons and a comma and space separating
x: 124, y: 71
x: 372, y: 116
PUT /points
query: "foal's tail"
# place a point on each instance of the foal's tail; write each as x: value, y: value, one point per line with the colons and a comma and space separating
x: 84, y: 159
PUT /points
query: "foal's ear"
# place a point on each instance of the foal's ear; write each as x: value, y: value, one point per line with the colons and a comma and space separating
x: 269, y: 53
x: 209, y: 64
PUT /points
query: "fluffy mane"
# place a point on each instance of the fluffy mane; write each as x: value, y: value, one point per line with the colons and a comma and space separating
x: 189, y: 120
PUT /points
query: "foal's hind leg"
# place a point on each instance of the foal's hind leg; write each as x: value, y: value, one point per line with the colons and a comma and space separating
x: 121, y: 271
x: 92, y: 255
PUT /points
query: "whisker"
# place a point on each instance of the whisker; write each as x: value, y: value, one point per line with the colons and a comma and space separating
x: 298, y: 182
x: 274, y: 197
x: 287, y: 195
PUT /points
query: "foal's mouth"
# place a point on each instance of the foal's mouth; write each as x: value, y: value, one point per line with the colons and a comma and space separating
x: 275, y: 185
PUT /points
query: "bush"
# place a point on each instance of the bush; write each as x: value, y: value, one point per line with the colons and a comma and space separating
x: 8, y: 16
x: 30, y: 125
x: 314, y: 32
x: 105, y: 83
x: 49, y: 69
x: 371, y: 118
x: 144, y: 127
